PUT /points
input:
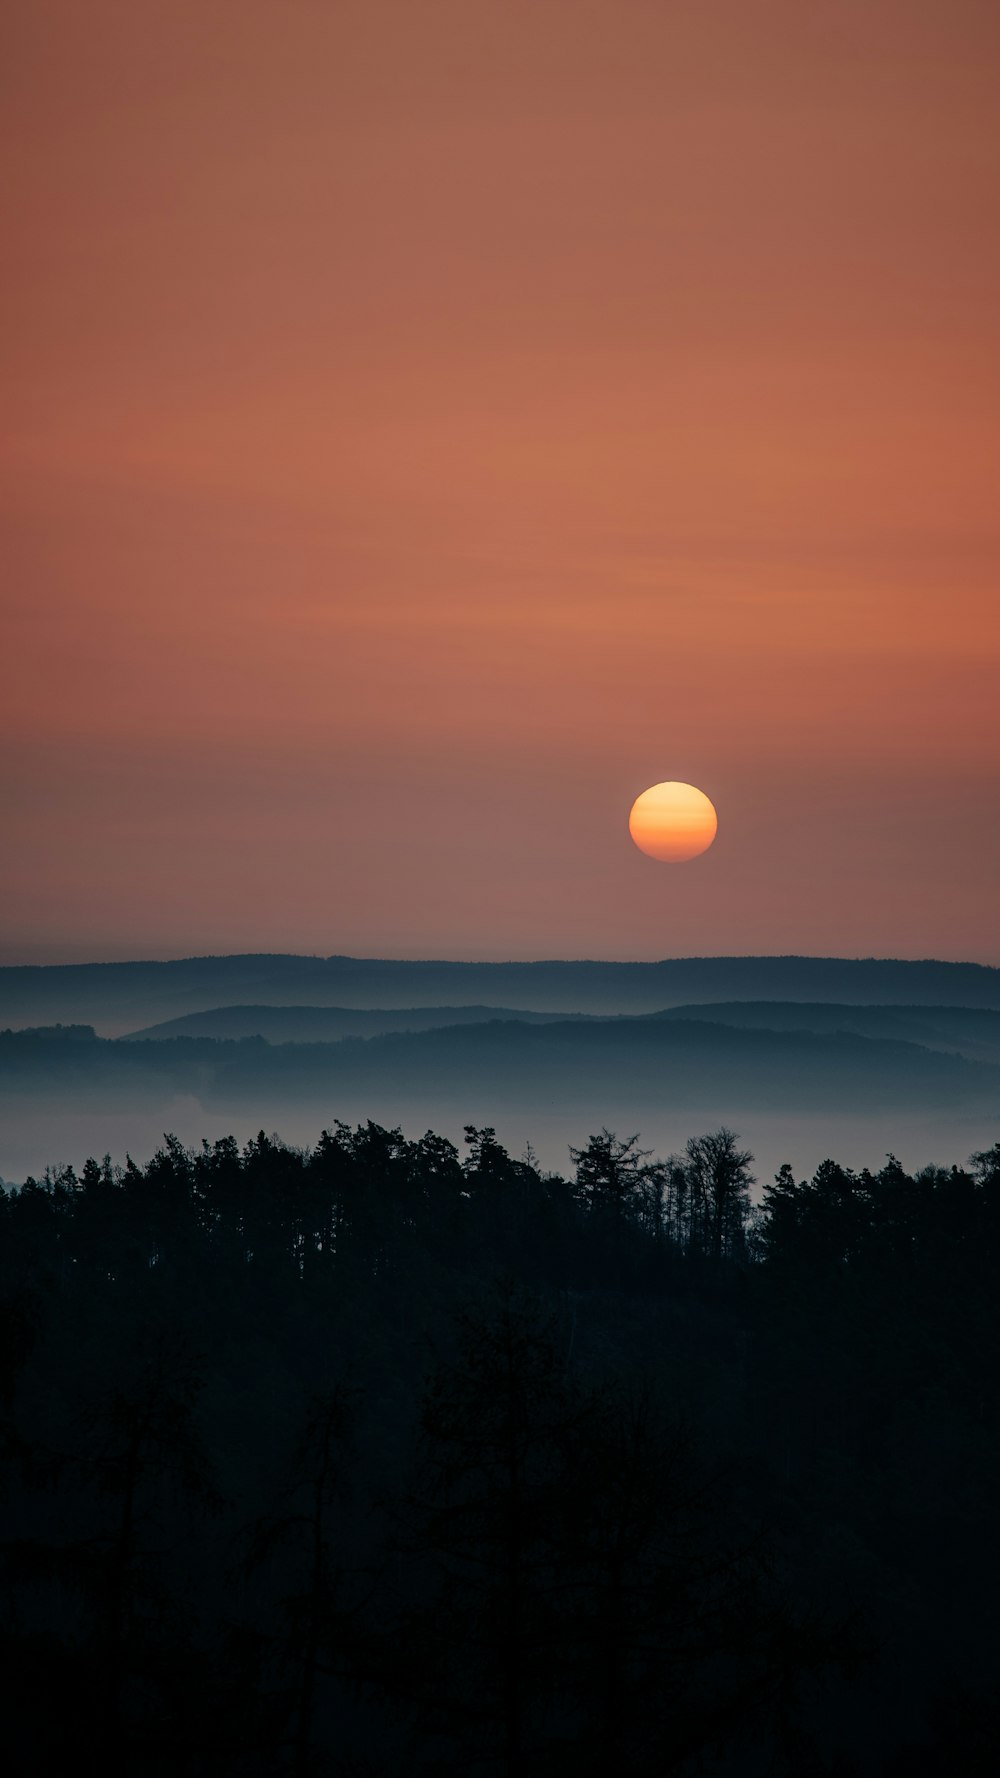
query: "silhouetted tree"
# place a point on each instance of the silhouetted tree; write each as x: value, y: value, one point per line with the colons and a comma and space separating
x: 610, y: 1174
x: 715, y: 1178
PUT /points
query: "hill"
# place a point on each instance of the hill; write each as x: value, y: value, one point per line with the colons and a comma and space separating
x: 122, y: 997
x: 972, y: 1031
x: 328, y: 1024
x: 606, y: 1067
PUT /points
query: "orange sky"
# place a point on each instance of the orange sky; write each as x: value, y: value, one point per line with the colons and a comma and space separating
x: 430, y: 422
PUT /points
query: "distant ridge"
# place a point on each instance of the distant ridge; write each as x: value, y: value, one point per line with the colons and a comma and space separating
x: 971, y: 1031
x: 326, y: 1024
x: 626, y: 1066
x: 121, y: 997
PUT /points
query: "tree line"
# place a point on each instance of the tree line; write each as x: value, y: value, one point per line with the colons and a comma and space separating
x: 382, y: 1457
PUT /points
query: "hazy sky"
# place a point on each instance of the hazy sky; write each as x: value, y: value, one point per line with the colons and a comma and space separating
x: 431, y: 422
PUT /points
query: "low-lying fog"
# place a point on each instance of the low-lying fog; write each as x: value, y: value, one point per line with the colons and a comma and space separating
x: 35, y: 1134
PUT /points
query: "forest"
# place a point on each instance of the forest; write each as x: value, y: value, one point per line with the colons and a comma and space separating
x: 384, y: 1457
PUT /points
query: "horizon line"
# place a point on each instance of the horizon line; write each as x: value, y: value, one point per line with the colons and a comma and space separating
x: 496, y: 962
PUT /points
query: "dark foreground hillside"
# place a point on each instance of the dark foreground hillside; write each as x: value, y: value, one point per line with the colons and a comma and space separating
x: 380, y: 1458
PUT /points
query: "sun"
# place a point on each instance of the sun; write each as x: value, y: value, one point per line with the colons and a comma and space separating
x: 672, y: 822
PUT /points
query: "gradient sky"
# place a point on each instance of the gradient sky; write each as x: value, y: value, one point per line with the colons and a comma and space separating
x: 431, y: 422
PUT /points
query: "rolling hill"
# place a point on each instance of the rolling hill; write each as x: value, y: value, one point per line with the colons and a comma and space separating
x: 122, y: 997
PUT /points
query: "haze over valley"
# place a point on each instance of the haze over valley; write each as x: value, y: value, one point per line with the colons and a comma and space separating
x: 918, y: 1072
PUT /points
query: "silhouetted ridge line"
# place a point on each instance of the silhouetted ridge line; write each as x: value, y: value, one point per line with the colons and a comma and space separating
x: 304, y: 1024
x: 616, y: 1062
x: 119, y: 997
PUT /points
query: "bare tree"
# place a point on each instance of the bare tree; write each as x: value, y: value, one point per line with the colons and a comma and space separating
x: 717, y: 1181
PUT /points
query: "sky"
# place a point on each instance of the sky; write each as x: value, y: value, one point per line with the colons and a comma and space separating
x: 428, y: 423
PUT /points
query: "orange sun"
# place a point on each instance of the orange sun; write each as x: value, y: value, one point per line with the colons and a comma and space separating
x: 672, y: 822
